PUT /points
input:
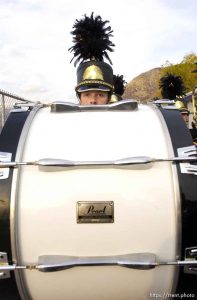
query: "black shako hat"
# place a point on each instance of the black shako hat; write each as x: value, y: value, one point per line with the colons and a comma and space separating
x: 94, y: 75
x: 91, y: 43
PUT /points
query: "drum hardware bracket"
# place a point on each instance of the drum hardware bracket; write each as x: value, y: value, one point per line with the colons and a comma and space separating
x: 5, y: 268
x: 5, y: 157
x: 188, y: 152
x: 164, y: 101
x: 138, y: 160
x: 124, y: 105
x: 4, y: 262
x: 55, y: 263
x: 190, y: 254
x: 138, y: 261
x: 21, y: 107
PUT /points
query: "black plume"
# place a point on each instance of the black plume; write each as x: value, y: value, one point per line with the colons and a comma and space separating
x: 171, y: 86
x: 91, y: 39
x: 119, y: 84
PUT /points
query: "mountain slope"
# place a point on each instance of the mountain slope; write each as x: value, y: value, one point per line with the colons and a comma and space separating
x: 143, y: 87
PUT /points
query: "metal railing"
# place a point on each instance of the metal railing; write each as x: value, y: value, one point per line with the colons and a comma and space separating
x: 7, y: 102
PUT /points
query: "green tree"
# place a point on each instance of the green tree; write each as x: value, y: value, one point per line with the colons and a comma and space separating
x: 195, y: 70
x: 171, y: 86
x: 189, y: 58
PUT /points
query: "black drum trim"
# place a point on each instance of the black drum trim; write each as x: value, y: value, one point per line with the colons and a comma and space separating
x: 9, y: 139
x: 181, y: 137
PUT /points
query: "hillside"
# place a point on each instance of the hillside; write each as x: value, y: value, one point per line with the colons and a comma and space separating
x: 143, y: 87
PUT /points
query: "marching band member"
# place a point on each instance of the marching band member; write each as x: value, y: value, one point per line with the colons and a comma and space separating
x: 119, y: 87
x: 91, y: 40
x: 185, y: 115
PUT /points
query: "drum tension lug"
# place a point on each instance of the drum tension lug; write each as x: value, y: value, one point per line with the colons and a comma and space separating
x: 190, y: 254
x: 4, y: 262
x: 5, y: 157
x: 188, y: 168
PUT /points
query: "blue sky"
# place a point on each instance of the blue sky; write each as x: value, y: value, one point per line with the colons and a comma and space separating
x: 35, y: 37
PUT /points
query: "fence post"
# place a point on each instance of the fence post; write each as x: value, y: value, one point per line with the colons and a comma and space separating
x: 3, y: 111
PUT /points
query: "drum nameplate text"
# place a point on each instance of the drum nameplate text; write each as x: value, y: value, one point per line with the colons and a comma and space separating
x: 95, y: 212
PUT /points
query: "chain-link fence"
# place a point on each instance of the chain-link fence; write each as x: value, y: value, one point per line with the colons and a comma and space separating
x: 7, y: 102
